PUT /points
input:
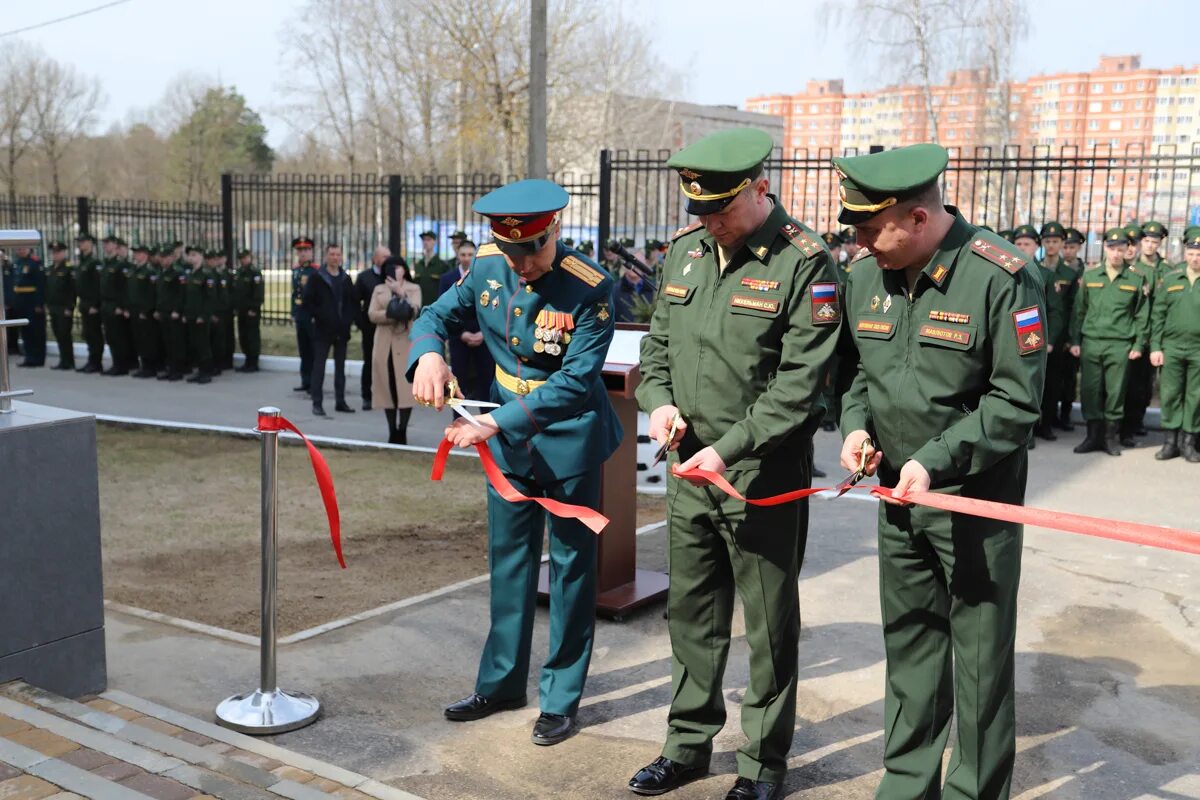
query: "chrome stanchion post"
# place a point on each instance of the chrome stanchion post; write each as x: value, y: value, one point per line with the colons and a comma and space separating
x: 270, y: 709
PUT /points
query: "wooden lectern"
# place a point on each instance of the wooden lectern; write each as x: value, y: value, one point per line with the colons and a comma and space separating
x: 620, y: 586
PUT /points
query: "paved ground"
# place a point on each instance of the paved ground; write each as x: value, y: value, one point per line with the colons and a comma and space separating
x: 1108, y: 647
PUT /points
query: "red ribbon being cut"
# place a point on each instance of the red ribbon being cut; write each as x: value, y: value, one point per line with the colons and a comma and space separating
x: 1133, y: 532
x: 593, y: 519
x: 323, y: 475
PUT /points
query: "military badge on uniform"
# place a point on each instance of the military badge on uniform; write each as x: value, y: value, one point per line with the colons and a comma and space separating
x: 950, y: 316
x: 825, y: 307
x: 887, y: 304
x: 875, y: 303
x: 688, y: 268
x: 760, y: 285
x: 697, y: 253
x: 602, y: 312
x: 485, y: 298
x: 495, y: 302
x: 552, y: 331
x: 493, y: 284
x: 1028, y: 325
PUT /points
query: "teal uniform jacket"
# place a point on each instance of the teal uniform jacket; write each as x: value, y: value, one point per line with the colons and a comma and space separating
x: 567, y: 426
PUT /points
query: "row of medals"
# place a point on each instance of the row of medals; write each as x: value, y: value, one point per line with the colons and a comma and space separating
x: 548, y: 340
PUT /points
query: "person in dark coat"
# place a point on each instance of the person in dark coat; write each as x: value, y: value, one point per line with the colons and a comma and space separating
x: 469, y: 359
x: 364, y: 286
x: 329, y: 297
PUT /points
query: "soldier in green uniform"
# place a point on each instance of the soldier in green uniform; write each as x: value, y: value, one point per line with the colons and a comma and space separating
x: 546, y: 317
x: 1027, y: 240
x: 302, y: 272
x: 87, y: 282
x: 427, y: 270
x: 834, y: 242
x: 746, y: 319
x: 60, y: 304
x: 1006, y: 234
x: 29, y: 289
x: 946, y: 337
x: 172, y: 285
x: 199, y: 300
x: 141, y: 299
x: 1109, y: 330
x: 1175, y: 346
x: 1070, y: 268
x: 587, y: 248
x: 248, y: 298
x: 113, y: 290
x: 229, y: 320
x: 1139, y: 383
x: 222, y: 308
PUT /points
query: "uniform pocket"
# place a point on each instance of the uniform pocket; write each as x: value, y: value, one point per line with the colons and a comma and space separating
x: 874, y: 326
x: 954, y: 337
x: 678, y: 293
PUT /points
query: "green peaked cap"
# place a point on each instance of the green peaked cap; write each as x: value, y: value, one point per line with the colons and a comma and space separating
x: 715, y: 169
x: 877, y: 181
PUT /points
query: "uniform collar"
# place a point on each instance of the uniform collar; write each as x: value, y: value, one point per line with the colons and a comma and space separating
x: 941, y: 263
x: 759, y: 242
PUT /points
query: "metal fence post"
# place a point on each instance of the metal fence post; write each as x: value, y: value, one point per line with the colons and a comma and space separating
x: 395, y: 214
x: 605, y: 211
x: 227, y: 214
x: 270, y: 709
x: 83, y: 210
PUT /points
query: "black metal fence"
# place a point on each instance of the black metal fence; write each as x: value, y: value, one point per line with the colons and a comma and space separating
x: 634, y: 195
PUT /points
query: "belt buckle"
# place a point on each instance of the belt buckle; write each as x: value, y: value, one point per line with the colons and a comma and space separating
x: 522, y: 386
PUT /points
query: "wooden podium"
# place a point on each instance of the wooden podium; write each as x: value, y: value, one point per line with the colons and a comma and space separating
x: 620, y: 586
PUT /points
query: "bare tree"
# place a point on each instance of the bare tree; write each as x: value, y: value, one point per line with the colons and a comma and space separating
x: 64, y: 106
x: 16, y: 97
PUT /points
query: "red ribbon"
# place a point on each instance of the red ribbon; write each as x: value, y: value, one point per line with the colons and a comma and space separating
x: 1133, y: 532
x: 593, y: 519
x: 323, y: 475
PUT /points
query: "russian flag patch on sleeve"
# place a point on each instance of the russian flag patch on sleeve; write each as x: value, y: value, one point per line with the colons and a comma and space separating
x: 826, y: 310
x: 1028, y: 325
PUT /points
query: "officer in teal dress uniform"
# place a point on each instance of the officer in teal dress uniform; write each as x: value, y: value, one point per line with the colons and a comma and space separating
x: 547, y: 319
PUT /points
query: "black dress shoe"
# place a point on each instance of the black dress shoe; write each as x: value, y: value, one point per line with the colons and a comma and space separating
x: 662, y: 775
x: 817, y: 472
x: 477, y: 706
x: 551, y: 728
x: 366, y: 405
x: 746, y: 789
x: 318, y: 411
x: 343, y: 407
x: 300, y: 389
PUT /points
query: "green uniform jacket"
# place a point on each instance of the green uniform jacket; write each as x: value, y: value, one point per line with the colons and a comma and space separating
x: 143, y: 289
x: 87, y: 282
x: 567, y: 426
x: 222, y: 302
x: 60, y: 286
x: 1159, y: 269
x: 953, y: 377
x: 742, y: 353
x: 1056, y: 315
x: 426, y: 274
x: 1176, y: 317
x: 248, y: 289
x: 114, y: 277
x: 172, y: 283
x: 200, y: 294
x: 1066, y: 283
x: 1107, y: 309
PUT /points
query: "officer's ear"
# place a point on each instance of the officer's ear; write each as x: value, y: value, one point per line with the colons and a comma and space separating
x: 919, y: 216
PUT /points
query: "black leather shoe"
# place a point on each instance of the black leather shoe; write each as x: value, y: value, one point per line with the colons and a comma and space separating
x: 746, y: 789
x: 551, y: 728
x: 476, y: 706
x: 662, y: 775
x: 300, y: 389
x: 343, y: 407
x: 318, y: 411
x: 817, y: 472
x: 366, y: 405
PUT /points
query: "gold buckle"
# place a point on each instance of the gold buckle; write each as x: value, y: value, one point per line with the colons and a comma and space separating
x: 522, y: 386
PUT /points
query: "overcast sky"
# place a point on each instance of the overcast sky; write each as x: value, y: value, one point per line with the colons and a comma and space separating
x: 766, y: 46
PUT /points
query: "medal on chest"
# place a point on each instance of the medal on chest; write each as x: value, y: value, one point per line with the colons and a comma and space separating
x: 552, y: 332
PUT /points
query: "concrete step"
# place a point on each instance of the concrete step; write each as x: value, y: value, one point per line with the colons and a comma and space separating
x: 118, y: 747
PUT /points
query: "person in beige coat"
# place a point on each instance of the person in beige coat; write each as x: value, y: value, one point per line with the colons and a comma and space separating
x: 389, y: 390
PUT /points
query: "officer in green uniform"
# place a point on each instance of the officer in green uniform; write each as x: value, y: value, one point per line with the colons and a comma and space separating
x: 456, y: 239
x: 1070, y: 268
x: 248, y: 298
x: 1189, y: 233
x: 834, y: 242
x: 141, y: 299
x: 199, y: 300
x: 1006, y: 234
x: 427, y: 270
x: 302, y: 272
x: 1060, y: 388
x: 114, y: 275
x: 222, y: 308
x: 945, y: 326
x: 746, y: 319
x: 229, y: 320
x: 1109, y: 330
x: 1175, y: 346
x: 172, y: 285
x: 60, y: 303
x: 1027, y: 240
x: 1139, y: 384
x: 546, y: 317
x: 29, y: 290
x: 87, y: 282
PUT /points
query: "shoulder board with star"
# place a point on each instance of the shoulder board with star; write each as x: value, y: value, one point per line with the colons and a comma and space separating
x: 997, y: 255
x: 860, y: 255
x: 686, y: 229
x: 489, y: 249
x: 581, y: 270
x: 799, y: 239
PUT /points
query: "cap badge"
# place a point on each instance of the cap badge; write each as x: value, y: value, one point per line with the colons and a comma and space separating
x: 695, y: 187
x: 689, y: 174
x: 510, y: 221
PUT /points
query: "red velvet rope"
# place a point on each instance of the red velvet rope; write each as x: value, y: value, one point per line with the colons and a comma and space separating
x: 323, y: 475
x: 1133, y: 532
x: 593, y: 519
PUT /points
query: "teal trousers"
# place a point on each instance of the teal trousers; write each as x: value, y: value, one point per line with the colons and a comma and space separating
x: 515, y: 533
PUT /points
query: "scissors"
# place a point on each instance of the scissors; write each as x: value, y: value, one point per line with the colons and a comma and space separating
x: 854, y: 477
x: 459, y: 404
x: 676, y: 420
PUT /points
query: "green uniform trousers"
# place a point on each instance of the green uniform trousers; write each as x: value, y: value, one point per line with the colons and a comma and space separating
x: 61, y: 327
x: 250, y: 337
x: 1069, y: 387
x: 93, y: 334
x: 1139, y: 390
x: 148, y: 345
x: 1104, y: 365
x: 1181, y: 389
x: 200, y: 345
x: 217, y: 341
x: 175, y: 339
x: 229, y: 346
x: 948, y: 592
x: 515, y: 533
x: 719, y: 545
x: 116, y: 333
